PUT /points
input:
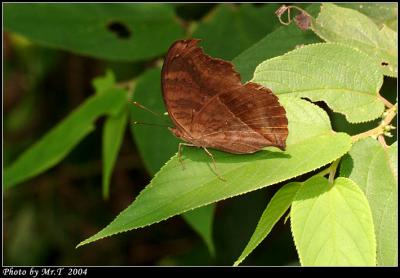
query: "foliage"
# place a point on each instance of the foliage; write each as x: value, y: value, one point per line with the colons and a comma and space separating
x: 347, y: 218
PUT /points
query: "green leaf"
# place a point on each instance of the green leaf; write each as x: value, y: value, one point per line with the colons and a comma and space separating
x: 154, y: 154
x: 332, y: 224
x: 113, y: 133
x: 380, y: 13
x: 345, y: 78
x: 120, y: 32
x: 350, y: 27
x: 374, y: 169
x: 201, y: 221
x: 104, y: 83
x: 311, y: 144
x: 60, y: 140
x: 278, y: 205
x: 278, y: 42
x: 239, y: 26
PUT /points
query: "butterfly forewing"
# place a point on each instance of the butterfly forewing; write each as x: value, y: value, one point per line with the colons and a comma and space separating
x: 190, y: 78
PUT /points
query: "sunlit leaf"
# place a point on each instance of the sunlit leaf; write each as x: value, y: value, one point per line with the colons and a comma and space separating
x: 332, y: 224
x: 345, y: 78
x: 350, y: 27
x: 380, y: 13
x: 374, y: 169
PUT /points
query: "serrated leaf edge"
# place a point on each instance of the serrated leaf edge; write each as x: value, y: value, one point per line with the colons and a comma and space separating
x: 173, y: 157
x: 381, y: 70
x: 357, y: 188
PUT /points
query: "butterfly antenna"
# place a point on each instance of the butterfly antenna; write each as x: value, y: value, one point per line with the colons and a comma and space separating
x: 143, y: 123
x: 144, y: 108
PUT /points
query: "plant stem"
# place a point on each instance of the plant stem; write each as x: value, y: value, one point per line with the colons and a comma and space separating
x: 332, y: 171
x: 385, y: 101
x: 324, y: 172
x: 379, y: 130
x: 381, y: 140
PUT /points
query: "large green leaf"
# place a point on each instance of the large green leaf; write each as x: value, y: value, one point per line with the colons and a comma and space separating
x: 60, y: 140
x: 380, y: 13
x: 239, y: 26
x: 141, y: 31
x: 278, y: 205
x: 332, y: 224
x: 345, y: 78
x: 374, y: 169
x: 350, y: 27
x: 173, y: 190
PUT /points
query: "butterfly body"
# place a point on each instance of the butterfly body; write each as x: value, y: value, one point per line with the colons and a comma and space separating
x: 211, y: 108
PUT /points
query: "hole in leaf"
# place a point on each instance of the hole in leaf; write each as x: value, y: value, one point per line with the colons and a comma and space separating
x: 384, y: 63
x: 120, y: 29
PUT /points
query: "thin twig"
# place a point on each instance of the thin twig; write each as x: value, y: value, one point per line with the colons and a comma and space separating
x: 390, y: 114
x: 324, y: 172
x: 385, y: 101
x: 381, y: 140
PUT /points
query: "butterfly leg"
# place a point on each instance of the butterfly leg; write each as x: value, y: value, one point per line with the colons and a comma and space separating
x: 180, y: 152
x: 215, y: 166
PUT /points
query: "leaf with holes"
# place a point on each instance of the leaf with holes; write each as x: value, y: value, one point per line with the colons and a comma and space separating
x: 374, y: 169
x: 350, y: 27
x: 332, y: 224
x: 278, y: 205
x: 345, y: 78
x: 120, y: 32
x: 310, y: 145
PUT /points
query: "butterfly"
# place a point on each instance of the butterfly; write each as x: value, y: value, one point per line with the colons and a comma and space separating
x: 211, y: 108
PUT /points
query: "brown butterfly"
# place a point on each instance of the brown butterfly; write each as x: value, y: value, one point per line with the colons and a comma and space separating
x: 211, y: 108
